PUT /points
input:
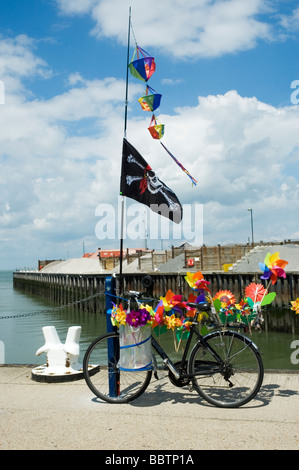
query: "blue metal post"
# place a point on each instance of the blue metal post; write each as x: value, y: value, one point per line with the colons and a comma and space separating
x: 110, y: 297
x: 113, y: 345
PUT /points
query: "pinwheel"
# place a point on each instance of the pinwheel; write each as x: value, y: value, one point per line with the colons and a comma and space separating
x: 193, y: 278
x: 255, y: 292
x: 166, y: 301
x: 156, y: 129
x: 273, y: 267
x: 144, y: 67
x: 158, y: 315
x: 191, y: 311
x: 242, y: 307
x: 295, y: 305
x: 150, y: 102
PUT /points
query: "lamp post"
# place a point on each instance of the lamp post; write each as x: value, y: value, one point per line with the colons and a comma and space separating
x: 251, y: 220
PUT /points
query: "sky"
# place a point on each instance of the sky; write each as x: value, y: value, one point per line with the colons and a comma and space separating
x: 228, y: 72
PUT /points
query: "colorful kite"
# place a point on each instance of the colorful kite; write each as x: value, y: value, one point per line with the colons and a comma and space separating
x: 156, y: 128
x: 150, y: 102
x: 142, y: 68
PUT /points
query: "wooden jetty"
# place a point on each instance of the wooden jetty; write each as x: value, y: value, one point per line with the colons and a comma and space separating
x: 63, y: 289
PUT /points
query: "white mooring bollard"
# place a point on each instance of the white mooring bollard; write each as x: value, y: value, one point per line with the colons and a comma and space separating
x: 62, y: 359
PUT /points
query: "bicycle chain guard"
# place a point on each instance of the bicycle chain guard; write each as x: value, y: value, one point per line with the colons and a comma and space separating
x: 181, y: 382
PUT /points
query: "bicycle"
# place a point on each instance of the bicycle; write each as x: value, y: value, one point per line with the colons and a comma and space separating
x: 224, y: 367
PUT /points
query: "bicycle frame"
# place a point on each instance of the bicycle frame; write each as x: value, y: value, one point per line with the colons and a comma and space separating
x: 179, y: 373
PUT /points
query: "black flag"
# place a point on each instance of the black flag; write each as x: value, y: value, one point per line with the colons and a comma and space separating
x: 139, y: 182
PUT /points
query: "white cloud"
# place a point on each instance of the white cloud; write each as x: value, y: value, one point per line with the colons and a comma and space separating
x: 60, y: 158
x: 75, y: 6
x: 18, y: 61
x: 205, y: 28
x: 290, y: 22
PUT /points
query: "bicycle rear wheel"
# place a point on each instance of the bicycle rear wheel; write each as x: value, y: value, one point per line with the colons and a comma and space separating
x: 233, y: 381
x: 103, y: 377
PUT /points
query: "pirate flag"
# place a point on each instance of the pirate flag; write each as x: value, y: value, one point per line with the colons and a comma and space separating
x: 139, y: 182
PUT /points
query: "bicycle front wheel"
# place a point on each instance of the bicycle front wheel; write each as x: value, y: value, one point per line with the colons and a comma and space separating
x: 228, y: 372
x: 102, y: 374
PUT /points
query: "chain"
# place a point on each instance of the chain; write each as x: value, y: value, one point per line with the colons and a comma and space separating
x: 73, y: 304
x: 133, y: 34
x: 53, y: 309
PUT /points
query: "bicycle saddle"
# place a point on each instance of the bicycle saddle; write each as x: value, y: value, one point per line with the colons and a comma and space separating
x: 199, y: 306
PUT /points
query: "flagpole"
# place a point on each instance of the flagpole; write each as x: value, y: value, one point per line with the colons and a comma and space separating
x: 127, y: 76
x: 125, y: 135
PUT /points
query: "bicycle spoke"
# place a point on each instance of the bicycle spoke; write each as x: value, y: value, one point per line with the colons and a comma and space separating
x: 234, y: 380
x: 102, y: 375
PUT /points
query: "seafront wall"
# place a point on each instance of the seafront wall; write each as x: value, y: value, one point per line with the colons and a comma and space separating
x: 63, y: 289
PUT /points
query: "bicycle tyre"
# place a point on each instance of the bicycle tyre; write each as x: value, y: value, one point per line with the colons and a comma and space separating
x: 237, y: 379
x: 103, y: 376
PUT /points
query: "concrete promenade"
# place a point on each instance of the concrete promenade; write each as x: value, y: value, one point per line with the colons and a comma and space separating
x: 66, y: 416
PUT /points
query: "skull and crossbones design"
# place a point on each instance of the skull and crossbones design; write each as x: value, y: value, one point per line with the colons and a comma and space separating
x: 152, y: 183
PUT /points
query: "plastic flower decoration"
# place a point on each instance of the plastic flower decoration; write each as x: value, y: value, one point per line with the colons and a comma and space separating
x: 118, y: 315
x: 226, y: 298
x: 273, y: 267
x: 139, y: 318
x: 172, y: 322
x: 295, y: 305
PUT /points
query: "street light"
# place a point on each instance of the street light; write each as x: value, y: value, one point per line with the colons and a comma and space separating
x: 251, y: 219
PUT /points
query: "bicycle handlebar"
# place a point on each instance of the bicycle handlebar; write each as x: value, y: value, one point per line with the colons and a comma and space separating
x: 133, y: 294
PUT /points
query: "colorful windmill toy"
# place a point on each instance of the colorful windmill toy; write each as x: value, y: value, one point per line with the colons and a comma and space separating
x: 142, y: 68
x: 156, y: 128
x: 273, y: 267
